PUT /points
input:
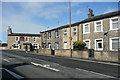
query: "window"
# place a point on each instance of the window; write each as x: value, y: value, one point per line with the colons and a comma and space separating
x: 43, y: 45
x: 74, y: 31
x: 114, y: 43
x: 26, y: 39
x: 21, y: 38
x: 98, y: 26
x: 87, y: 43
x: 49, y: 35
x: 86, y: 28
x: 65, y: 32
x: 15, y: 46
x: 34, y: 39
x: 114, y: 23
x: 17, y: 39
x: 45, y: 35
x: 49, y: 45
x: 99, y: 44
x: 57, y: 45
x: 35, y: 46
x: 65, y: 45
x: 56, y: 34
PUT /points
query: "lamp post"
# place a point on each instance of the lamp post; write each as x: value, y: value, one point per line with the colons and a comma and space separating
x: 70, y: 27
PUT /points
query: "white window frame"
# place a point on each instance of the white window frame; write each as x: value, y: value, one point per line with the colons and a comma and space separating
x: 49, y: 45
x: 74, y: 31
x: 35, y: 39
x: 111, y: 23
x: 49, y: 35
x: 95, y: 26
x: 96, y: 44
x: 27, y: 39
x: 37, y: 45
x: 18, y: 39
x: 84, y: 28
x: 56, y: 32
x: 110, y: 42
x: 64, y: 45
x: 89, y: 42
x: 18, y: 46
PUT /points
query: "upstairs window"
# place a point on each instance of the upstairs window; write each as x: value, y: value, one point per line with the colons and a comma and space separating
x: 26, y: 39
x: 98, y: 26
x: 114, y: 23
x: 86, y: 28
x: 49, y: 35
x: 17, y: 39
x: 56, y: 34
x: 65, y: 32
x: 74, y: 31
x: 45, y: 35
x: 21, y: 38
x: 34, y: 39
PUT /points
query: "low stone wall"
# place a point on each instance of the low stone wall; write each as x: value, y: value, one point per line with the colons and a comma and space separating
x: 43, y: 51
x: 107, y: 56
x: 80, y: 54
x: 62, y: 52
x: 98, y: 55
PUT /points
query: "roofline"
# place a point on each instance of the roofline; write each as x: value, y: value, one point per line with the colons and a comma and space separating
x: 83, y: 21
x: 23, y: 34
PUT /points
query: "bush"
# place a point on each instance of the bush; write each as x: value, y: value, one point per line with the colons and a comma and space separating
x: 118, y: 49
x: 79, y: 45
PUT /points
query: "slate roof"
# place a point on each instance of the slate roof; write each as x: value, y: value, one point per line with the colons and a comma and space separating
x: 23, y: 34
x: 94, y: 18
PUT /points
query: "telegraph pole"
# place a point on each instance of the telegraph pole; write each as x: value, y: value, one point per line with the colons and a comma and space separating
x: 70, y: 27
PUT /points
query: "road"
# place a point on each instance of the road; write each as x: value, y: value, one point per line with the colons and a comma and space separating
x: 21, y: 65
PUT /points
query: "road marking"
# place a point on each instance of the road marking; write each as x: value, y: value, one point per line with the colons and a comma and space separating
x: 95, y: 73
x: 13, y: 74
x: 5, y: 60
x: 115, y: 64
x: 45, y: 66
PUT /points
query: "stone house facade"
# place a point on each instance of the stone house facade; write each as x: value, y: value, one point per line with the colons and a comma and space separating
x: 101, y: 32
x: 23, y: 41
x: 98, y: 32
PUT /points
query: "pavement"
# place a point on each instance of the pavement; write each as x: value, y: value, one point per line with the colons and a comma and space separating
x: 32, y: 66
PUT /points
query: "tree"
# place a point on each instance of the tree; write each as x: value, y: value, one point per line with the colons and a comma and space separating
x: 79, y: 45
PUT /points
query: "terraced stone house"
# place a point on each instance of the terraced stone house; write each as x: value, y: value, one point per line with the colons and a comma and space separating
x: 23, y: 41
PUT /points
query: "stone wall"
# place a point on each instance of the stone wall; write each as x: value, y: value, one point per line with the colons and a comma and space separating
x: 98, y: 55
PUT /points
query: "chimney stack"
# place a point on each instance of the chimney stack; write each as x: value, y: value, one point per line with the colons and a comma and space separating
x: 90, y: 14
x: 9, y: 30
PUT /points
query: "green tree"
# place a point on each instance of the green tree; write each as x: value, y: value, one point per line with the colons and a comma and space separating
x: 79, y: 45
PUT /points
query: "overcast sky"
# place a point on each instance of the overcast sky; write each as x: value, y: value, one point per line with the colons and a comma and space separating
x: 33, y: 17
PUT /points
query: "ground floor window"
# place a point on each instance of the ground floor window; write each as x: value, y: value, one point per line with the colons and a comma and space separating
x: 15, y: 46
x: 115, y: 43
x: 56, y: 45
x: 49, y: 45
x: 87, y: 43
x: 65, y: 45
x: 98, y: 44
x: 35, y: 46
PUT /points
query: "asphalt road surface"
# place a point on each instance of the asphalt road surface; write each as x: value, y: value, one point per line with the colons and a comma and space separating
x: 25, y: 66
